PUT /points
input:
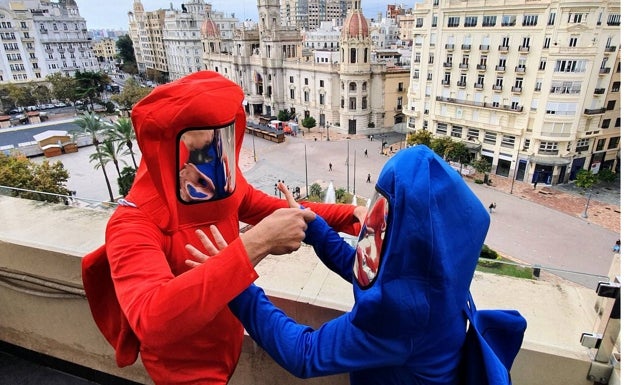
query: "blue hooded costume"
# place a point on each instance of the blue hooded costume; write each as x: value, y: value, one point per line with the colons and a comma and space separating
x: 407, y: 324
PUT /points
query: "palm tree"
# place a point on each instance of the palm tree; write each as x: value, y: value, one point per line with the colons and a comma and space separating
x: 109, y: 152
x: 122, y: 130
x: 91, y: 124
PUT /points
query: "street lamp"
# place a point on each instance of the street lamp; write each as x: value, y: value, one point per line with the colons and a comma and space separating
x: 584, y: 215
x: 327, y: 128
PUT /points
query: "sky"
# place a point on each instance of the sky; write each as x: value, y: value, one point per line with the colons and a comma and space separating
x: 113, y: 14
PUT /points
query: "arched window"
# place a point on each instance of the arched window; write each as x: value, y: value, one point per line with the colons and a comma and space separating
x: 353, y: 56
x: 352, y: 86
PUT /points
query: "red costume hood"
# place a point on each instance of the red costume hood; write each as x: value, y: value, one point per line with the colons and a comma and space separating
x: 158, y: 120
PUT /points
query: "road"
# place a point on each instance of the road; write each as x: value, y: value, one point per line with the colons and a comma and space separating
x: 526, y: 231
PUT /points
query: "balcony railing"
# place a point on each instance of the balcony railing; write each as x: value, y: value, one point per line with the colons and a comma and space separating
x: 481, y: 67
x: 463, y: 66
x: 594, y: 111
x: 503, y: 48
x: 604, y: 71
x: 449, y: 47
x: 461, y: 84
x: 610, y: 48
x: 484, y: 47
x: 524, y: 49
x: 599, y: 91
x: 516, y: 89
x: 478, y: 85
x: 520, y: 69
x: 500, y: 68
x: 446, y: 82
x: 497, y: 88
x: 447, y: 64
x: 464, y: 102
x: 466, y: 47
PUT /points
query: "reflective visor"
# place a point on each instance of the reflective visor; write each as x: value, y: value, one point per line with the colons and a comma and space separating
x: 370, y: 242
x: 206, y: 164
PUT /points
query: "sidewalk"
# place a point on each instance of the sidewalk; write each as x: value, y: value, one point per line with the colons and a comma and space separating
x: 601, y: 210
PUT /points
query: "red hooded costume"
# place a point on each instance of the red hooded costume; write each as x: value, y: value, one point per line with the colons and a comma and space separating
x: 176, y: 317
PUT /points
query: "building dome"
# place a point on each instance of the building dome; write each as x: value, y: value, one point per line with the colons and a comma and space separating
x: 209, y: 28
x: 355, y: 26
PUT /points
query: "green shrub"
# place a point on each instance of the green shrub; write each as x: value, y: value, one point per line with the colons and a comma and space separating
x: 488, y: 257
x: 478, y: 181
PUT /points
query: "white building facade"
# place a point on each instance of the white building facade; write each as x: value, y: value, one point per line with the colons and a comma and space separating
x: 519, y: 82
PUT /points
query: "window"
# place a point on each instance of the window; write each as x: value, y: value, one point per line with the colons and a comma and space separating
x: 419, y: 22
x: 352, y: 103
x: 489, y: 21
x: 542, y: 64
x: 551, y: 18
x: 575, y: 18
x: 606, y: 123
x: 529, y: 20
x: 473, y: 134
x: 480, y: 79
x: 613, y: 19
x: 364, y: 102
x: 456, y: 131
x: 292, y: 79
x: 610, y: 105
x: 321, y: 99
x: 508, y: 141
x: 600, y: 145
x: 582, y: 145
x: 306, y: 96
x: 434, y: 21
x: 453, y: 21
x: 292, y: 93
x: 615, y: 87
x: 490, y: 137
x: 573, y: 41
x: 613, y: 142
x: 505, y: 42
x: 508, y: 20
x: 441, y: 129
x: 321, y: 83
x: 570, y: 66
x: 499, y: 81
x: 547, y: 42
x: 353, y: 55
x: 549, y: 147
x: 518, y: 83
x: 352, y: 86
x: 305, y: 81
x: 471, y: 21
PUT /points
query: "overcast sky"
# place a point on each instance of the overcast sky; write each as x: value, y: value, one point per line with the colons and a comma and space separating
x: 113, y: 14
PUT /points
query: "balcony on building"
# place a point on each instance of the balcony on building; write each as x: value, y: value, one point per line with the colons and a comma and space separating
x: 481, y: 67
x: 604, y: 71
x: 466, y: 47
x: 447, y: 64
x: 524, y: 49
x: 594, y: 111
x: 516, y: 90
x: 461, y: 84
x: 484, y: 47
x: 449, y: 47
x: 497, y: 88
x: 446, y: 82
x: 41, y: 276
x: 610, y: 48
x: 503, y: 48
x: 478, y: 85
x: 520, y: 69
x: 599, y: 91
x: 500, y: 68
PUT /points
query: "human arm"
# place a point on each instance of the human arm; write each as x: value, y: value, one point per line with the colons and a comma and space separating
x: 336, y: 347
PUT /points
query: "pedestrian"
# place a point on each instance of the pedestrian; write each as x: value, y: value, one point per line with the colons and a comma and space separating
x: 368, y: 179
x: 366, y: 153
x: 141, y: 291
x: 429, y: 253
x: 616, y: 247
x: 330, y: 166
x: 492, y: 207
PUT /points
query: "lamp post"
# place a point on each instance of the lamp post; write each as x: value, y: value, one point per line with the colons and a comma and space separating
x: 327, y: 128
x: 584, y: 215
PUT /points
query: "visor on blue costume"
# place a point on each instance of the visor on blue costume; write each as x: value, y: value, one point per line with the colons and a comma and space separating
x: 370, y: 243
x: 206, y: 163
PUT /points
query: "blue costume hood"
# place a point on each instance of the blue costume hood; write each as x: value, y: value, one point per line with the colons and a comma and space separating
x: 436, y: 227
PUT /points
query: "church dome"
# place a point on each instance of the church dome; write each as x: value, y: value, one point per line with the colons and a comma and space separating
x: 355, y: 26
x: 209, y: 28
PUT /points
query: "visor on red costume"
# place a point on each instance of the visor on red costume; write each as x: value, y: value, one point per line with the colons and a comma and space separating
x: 370, y: 243
x: 206, y: 163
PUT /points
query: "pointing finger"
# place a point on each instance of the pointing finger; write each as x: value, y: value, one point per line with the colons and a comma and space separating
x: 289, y: 197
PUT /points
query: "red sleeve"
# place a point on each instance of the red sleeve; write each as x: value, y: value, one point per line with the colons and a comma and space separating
x: 155, y: 301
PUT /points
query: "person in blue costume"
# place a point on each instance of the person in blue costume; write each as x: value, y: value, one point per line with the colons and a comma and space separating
x: 411, y: 272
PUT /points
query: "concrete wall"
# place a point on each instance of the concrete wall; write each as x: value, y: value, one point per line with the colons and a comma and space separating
x: 43, y: 243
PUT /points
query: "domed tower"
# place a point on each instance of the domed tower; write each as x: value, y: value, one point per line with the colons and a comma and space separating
x: 211, y: 36
x: 355, y: 71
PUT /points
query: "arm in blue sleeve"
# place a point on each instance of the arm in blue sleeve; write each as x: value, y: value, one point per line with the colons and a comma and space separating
x: 336, y: 347
x: 332, y: 250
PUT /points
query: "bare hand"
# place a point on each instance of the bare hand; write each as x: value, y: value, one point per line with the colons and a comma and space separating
x: 211, y: 249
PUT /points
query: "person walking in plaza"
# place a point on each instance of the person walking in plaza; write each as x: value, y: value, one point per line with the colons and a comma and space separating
x: 368, y: 179
x: 492, y: 207
x: 366, y: 153
x: 330, y: 166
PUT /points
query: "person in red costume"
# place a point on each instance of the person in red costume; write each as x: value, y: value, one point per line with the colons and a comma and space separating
x: 142, y: 295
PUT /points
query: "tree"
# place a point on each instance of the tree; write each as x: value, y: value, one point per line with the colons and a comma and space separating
x: 21, y: 173
x: 109, y: 152
x: 125, y: 180
x: 90, y: 84
x: 131, y: 94
x: 308, y: 122
x: 457, y: 152
x: 586, y: 180
x: 420, y: 137
x: 63, y: 87
x: 440, y: 145
x: 283, y: 115
x: 123, y: 131
x: 126, y: 54
x: 482, y: 166
x: 91, y: 124
x: 315, y: 190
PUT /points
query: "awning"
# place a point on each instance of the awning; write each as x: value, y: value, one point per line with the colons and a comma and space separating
x: 550, y: 161
x: 470, y: 145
